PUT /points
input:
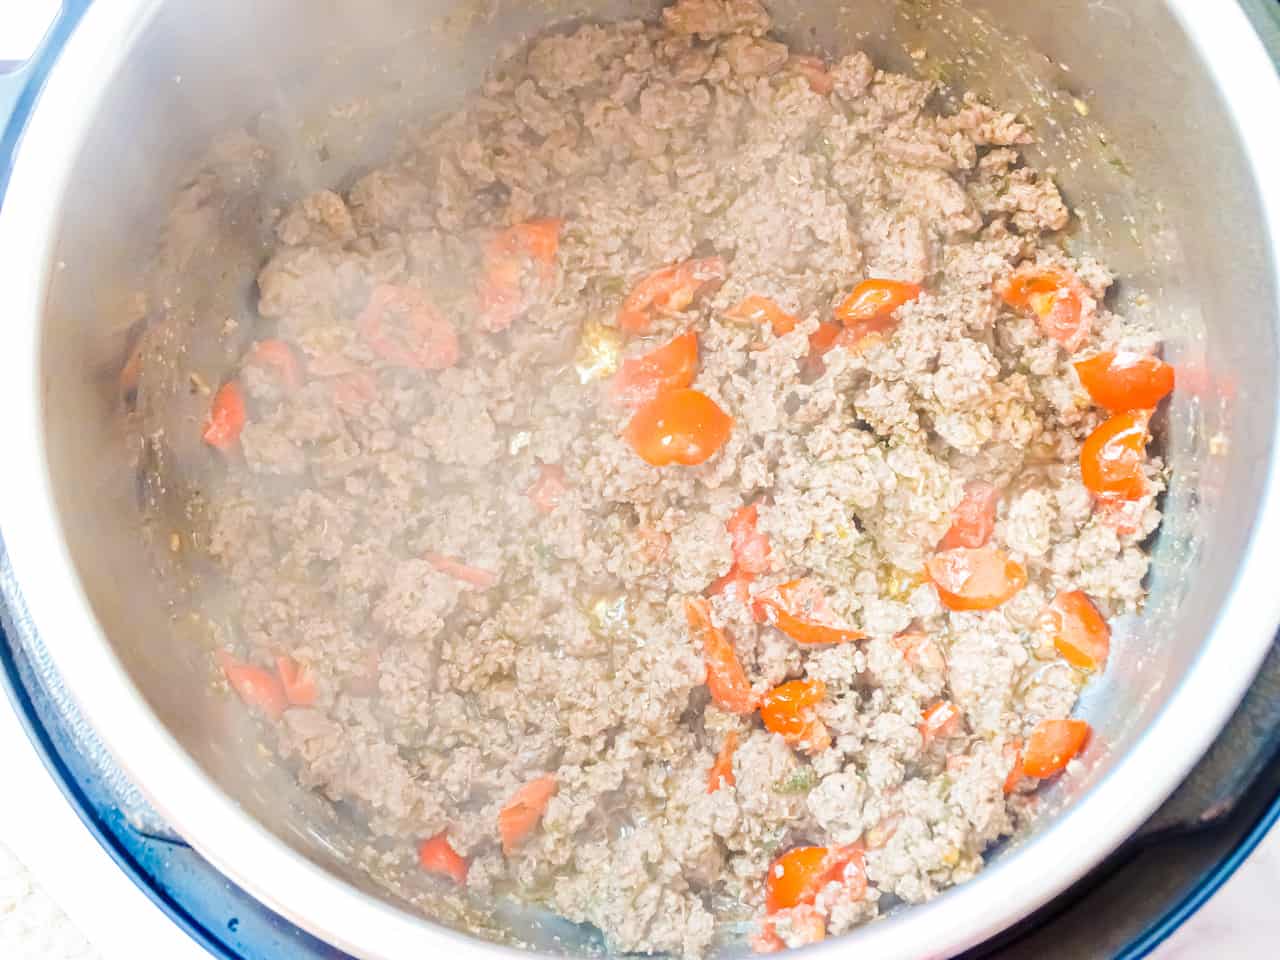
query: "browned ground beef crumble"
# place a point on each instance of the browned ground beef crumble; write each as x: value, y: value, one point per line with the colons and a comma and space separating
x: 438, y: 698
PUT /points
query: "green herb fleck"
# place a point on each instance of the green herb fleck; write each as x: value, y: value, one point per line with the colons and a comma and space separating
x: 802, y: 781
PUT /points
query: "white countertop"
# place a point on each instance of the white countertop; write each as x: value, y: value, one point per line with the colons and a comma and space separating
x: 62, y: 898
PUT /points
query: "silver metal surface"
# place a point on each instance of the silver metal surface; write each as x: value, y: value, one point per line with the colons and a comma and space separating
x: 1168, y: 170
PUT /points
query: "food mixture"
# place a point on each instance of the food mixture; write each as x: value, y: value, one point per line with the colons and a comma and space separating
x: 687, y: 488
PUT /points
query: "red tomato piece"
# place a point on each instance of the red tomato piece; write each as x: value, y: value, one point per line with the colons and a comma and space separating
x: 523, y: 811
x: 750, y: 546
x: 278, y: 356
x: 437, y: 856
x: 798, y: 608
x: 726, y: 680
x: 806, y: 922
x: 1123, y: 516
x: 943, y: 719
x: 405, y: 329
x: 519, y: 267
x: 298, y: 682
x: 453, y: 567
x: 1112, y: 457
x: 974, y: 519
x: 979, y: 578
x: 548, y: 490
x: 226, y: 417
x: 813, y: 69
x: 680, y: 426
x: 670, y: 367
x: 788, y: 710
x: 920, y: 651
x: 1079, y: 632
x: 1052, y: 745
x: 353, y: 392
x: 722, y: 770
x: 1013, y: 756
x: 871, y: 305
x: 258, y: 688
x: 798, y: 876
x: 669, y: 290
x: 736, y: 584
x: 762, y: 311
x: 1057, y: 299
x: 1125, y: 381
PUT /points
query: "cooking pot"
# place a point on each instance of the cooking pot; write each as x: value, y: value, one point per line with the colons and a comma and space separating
x: 153, y: 155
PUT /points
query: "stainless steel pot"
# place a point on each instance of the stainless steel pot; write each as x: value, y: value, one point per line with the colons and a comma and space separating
x: 1160, y: 115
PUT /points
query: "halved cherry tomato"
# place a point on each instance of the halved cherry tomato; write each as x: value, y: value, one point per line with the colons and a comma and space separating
x: 750, y: 546
x: 813, y: 69
x: 788, y: 710
x: 549, y: 488
x: 298, y: 683
x: 722, y: 770
x: 1013, y: 755
x: 974, y: 518
x: 1056, y: 297
x: 258, y: 688
x: 226, y: 417
x: 1051, y: 746
x: 761, y: 310
x: 870, y: 307
x: 1125, y: 381
x: 1112, y: 457
x: 522, y: 812
x: 726, y: 680
x: 437, y: 856
x: 798, y: 609
x: 405, y: 329
x: 669, y: 290
x: 941, y: 720
x: 278, y: 356
x: 519, y: 264
x: 453, y: 567
x: 678, y: 426
x: 670, y: 367
x: 798, y: 876
x: 1079, y: 632
x: 978, y: 578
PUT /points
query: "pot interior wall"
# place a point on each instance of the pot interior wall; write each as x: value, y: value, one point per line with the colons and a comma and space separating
x: 224, y: 111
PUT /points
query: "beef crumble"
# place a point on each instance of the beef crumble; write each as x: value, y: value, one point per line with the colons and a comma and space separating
x: 641, y: 694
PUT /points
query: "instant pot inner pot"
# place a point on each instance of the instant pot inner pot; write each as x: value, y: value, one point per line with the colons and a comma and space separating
x: 222, y: 113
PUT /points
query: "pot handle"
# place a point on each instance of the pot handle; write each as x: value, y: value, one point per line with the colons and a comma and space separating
x: 20, y: 84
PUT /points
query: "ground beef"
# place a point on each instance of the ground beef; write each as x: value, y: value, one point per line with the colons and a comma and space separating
x: 486, y: 584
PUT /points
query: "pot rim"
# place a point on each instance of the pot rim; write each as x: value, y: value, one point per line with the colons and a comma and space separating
x: 328, y: 907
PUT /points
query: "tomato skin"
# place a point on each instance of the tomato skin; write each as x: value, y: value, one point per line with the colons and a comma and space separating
x: 870, y: 307
x: 297, y: 681
x: 735, y: 584
x: 941, y: 720
x: 422, y: 338
x: 452, y: 567
x: 1052, y: 745
x: 788, y: 710
x: 1079, y: 632
x: 523, y: 811
x: 680, y: 426
x: 726, y: 680
x: 669, y: 289
x: 227, y: 417
x: 278, y: 356
x: 670, y: 367
x: 750, y: 546
x: 761, y: 311
x: 974, y: 518
x: 798, y: 608
x: 1056, y: 298
x: 979, y: 578
x: 436, y: 855
x: 257, y: 687
x: 1112, y: 457
x: 722, y: 770
x: 1013, y: 754
x: 1125, y: 381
